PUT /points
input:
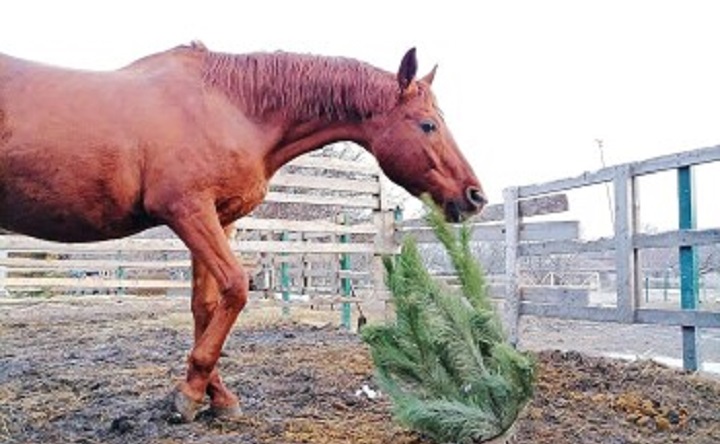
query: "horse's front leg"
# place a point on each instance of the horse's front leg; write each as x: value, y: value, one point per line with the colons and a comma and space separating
x: 219, y: 295
x: 205, y: 299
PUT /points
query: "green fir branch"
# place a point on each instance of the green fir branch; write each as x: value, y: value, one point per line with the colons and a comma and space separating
x: 444, y: 361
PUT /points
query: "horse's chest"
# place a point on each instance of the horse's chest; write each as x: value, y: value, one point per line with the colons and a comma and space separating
x: 242, y: 201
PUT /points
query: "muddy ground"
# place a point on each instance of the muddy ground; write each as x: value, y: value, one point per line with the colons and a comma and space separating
x: 92, y: 371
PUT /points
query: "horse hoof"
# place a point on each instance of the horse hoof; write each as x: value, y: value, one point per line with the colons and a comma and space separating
x: 185, y: 408
x: 228, y: 412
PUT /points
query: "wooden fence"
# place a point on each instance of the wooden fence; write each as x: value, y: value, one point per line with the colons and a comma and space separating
x: 626, y: 243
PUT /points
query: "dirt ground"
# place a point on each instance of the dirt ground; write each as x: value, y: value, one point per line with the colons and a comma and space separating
x: 99, y: 370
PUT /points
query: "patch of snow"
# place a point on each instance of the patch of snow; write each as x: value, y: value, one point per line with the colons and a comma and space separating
x: 367, y: 391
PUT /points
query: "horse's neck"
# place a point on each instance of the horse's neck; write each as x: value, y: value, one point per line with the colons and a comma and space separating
x: 305, y: 137
x: 274, y: 89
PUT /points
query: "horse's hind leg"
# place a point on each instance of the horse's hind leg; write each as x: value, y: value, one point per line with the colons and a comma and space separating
x: 197, y: 225
x: 205, y: 299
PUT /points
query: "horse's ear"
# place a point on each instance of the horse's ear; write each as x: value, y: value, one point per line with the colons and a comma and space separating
x: 429, y: 77
x: 408, y: 69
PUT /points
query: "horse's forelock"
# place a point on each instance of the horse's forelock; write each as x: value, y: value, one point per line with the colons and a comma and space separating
x: 302, y: 87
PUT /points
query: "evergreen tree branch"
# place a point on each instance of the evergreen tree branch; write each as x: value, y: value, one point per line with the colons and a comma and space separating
x: 444, y: 360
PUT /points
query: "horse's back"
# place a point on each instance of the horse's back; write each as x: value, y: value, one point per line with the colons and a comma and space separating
x: 73, y: 146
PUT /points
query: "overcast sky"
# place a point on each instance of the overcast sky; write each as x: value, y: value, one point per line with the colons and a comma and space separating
x: 527, y: 87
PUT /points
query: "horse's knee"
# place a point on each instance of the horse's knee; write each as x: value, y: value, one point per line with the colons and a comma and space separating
x: 202, y: 362
x: 202, y: 302
x: 235, y: 294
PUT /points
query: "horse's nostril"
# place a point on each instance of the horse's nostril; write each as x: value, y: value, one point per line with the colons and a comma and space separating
x: 476, y: 197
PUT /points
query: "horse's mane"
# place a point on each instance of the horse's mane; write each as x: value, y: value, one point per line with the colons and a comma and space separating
x: 302, y: 87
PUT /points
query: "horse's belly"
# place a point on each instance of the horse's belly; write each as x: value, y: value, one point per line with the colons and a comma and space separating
x: 66, y: 224
x: 70, y: 206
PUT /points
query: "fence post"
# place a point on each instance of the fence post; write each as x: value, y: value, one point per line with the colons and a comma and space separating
x: 386, y: 220
x: 268, y: 272
x: 345, y: 284
x: 397, y: 214
x: 626, y: 258
x: 120, y: 275
x: 3, y: 274
x: 512, y: 238
x: 688, y: 267
x: 306, y: 276
x: 285, y: 278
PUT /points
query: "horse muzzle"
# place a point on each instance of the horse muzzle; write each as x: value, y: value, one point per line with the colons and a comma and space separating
x: 470, y: 204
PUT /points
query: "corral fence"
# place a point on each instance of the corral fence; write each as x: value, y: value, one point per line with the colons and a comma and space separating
x: 630, y: 301
x: 326, y: 223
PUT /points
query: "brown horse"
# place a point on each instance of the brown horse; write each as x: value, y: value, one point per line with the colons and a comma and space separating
x: 190, y: 138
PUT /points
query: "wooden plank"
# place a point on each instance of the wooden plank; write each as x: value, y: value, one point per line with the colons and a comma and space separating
x: 352, y: 274
x: 585, y: 179
x: 537, y: 206
x: 677, y: 238
x: 653, y: 165
x: 566, y: 247
x: 369, y: 186
x: 18, y: 264
x: 293, y: 247
x: 577, y: 297
x: 23, y: 243
x: 534, y: 231
x: 552, y: 230
x: 325, y: 273
x: 625, y: 254
x: 594, y: 314
x: 425, y: 235
x: 385, y: 186
x: 385, y: 221
x: 315, y: 258
x: 313, y: 237
x: 93, y: 282
x: 297, y: 260
x: 3, y: 274
x: 315, y: 290
x: 330, y: 298
x: 309, y: 226
x: 89, y: 264
x: 369, y: 167
x: 362, y: 295
x: 677, y: 160
x: 667, y: 239
x: 681, y: 318
x: 312, y: 199
x: 688, y: 265
x: 512, y: 266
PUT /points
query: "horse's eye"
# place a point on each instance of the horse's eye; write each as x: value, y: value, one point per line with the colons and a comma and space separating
x: 428, y: 126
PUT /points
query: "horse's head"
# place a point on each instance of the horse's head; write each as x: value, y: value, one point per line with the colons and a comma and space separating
x: 415, y: 149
